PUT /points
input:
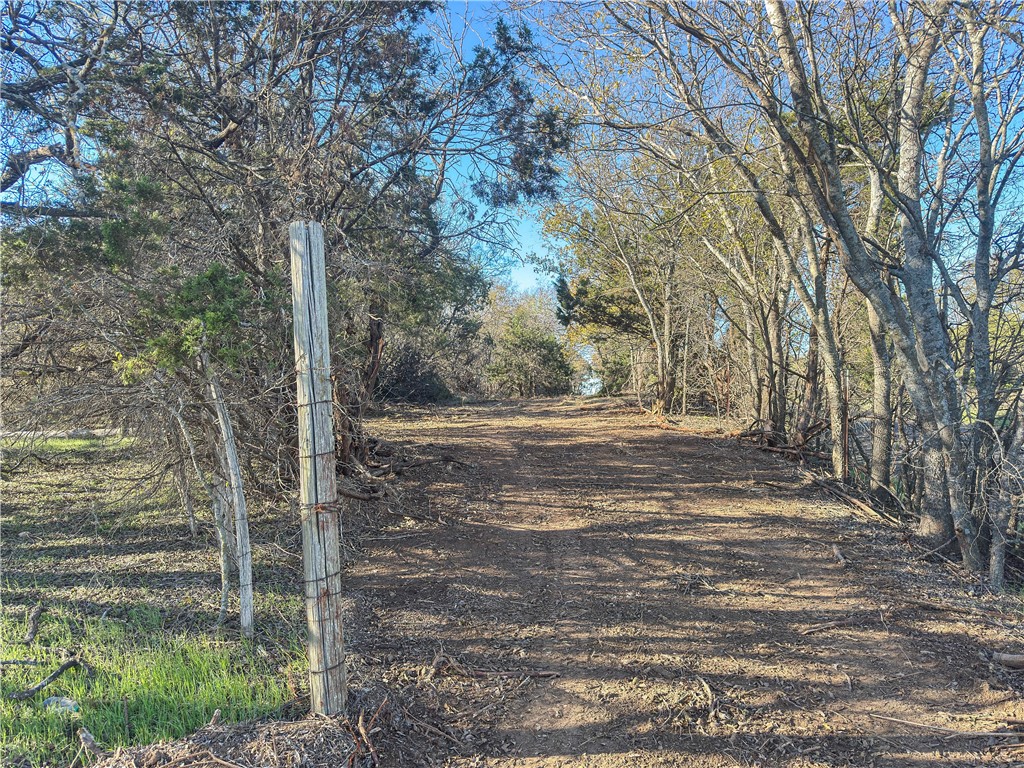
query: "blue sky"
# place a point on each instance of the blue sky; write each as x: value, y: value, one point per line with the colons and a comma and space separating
x: 530, y: 239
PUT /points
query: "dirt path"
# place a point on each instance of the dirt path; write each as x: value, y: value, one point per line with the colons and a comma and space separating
x: 603, y: 593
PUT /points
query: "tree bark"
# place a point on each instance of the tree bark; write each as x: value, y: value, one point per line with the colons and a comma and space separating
x: 1001, y: 506
x: 935, y: 526
x: 999, y: 519
x: 686, y: 368
x: 775, y: 375
x: 881, y: 408
x: 221, y: 520
x: 236, y: 496
x: 753, y: 365
x: 809, y: 401
x: 225, y: 543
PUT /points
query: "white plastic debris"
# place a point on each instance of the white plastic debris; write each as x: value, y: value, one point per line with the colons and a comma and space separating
x: 62, y: 703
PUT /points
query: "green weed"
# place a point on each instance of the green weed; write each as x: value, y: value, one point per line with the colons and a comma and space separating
x: 144, y: 685
x: 89, y: 531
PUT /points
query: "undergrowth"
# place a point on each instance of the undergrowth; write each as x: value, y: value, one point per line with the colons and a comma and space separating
x: 127, y: 590
x: 142, y: 684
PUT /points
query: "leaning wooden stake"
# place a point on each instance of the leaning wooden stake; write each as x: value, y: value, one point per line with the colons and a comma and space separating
x: 318, y: 492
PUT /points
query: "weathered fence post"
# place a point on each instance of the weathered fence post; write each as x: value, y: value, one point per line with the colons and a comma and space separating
x: 318, y: 491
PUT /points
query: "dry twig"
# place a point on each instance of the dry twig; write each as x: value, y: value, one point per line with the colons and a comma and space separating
x: 89, y: 744
x: 28, y: 693
x: 828, y: 625
x: 953, y: 731
x: 33, y: 624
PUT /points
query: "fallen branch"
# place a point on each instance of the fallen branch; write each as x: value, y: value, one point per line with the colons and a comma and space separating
x: 365, y: 732
x: 965, y: 609
x: 758, y: 434
x: 441, y: 661
x: 359, y: 495
x: 776, y: 486
x: 431, y: 728
x: 19, y: 663
x: 446, y: 459
x: 88, y: 742
x: 28, y: 693
x: 813, y: 432
x: 936, y: 551
x: 1007, y: 746
x: 982, y: 735
x: 1011, y: 660
x: 953, y: 731
x: 365, y: 735
x: 542, y: 673
x: 219, y: 761
x: 789, y: 450
x: 844, y: 496
x: 33, y: 624
x: 828, y: 625
x: 390, y: 471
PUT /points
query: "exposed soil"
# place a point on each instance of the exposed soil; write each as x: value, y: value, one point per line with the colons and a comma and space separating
x: 603, y: 593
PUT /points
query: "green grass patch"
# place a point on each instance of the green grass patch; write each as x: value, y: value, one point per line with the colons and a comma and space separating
x: 22, y: 454
x: 61, y: 444
x: 147, y: 684
x: 96, y: 533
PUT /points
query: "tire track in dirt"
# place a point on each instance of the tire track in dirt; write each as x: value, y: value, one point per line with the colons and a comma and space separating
x: 685, y: 592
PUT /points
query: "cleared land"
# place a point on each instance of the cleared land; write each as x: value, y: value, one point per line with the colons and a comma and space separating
x: 683, y: 589
x: 588, y: 591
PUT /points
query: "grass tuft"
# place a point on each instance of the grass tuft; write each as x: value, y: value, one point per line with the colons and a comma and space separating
x: 98, y: 536
x: 146, y: 685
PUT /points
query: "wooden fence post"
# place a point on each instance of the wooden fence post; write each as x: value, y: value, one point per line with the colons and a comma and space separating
x: 318, y: 491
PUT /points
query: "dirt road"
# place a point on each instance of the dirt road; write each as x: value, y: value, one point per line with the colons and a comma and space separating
x: 600, y: 592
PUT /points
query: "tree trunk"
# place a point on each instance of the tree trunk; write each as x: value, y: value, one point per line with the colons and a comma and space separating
x: 218, y: 504
x: 635, y: 375
x: 185, y: 494
x: 919, y: 280
x: 375, y: 354
x: 225, y: 543
x: 753, y: 365
x: 918, y: 332
x: 809, y: 401
x: 836, y: 411
x: 318, y: 494
x: 775, y: 377
x: 935, y: 525
x: 236, y: 495
x: 999, y: 520
x: 686, y: 366
x: 1001, y: 506
x: 881, y: 408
